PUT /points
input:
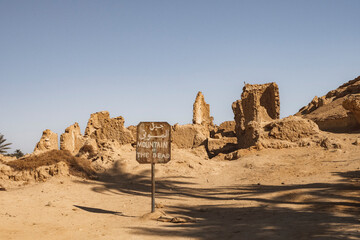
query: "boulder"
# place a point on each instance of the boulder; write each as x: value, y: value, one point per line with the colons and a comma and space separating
x: 48, y: 141
x: 189, y: 135
x: 352, y: 104
x: 329, y: 143
x: 201, y: 111
x: 72, y: 140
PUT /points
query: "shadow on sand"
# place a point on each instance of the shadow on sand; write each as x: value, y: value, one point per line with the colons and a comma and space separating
x: 304, y: 211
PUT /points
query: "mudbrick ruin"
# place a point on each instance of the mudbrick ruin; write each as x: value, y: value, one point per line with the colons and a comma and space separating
x: 244, y: 173
x: 256, y: 125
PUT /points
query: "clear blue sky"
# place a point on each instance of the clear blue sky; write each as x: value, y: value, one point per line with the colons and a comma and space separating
x: 145, y: 60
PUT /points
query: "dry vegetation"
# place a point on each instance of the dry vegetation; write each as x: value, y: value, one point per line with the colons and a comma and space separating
x: 77, y: 166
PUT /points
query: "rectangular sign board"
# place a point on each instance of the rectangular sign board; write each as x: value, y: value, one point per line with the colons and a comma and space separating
x: 153, y: 142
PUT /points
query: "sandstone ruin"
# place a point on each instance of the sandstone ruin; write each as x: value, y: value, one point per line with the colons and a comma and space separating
x: 256, y: 125
x: 226, y: 129
x: 201, y: 111
x: 102, y: 128
x: 258, y: 103
x: 72, y: 140
x: 48, y: 141
x: 189, y: 135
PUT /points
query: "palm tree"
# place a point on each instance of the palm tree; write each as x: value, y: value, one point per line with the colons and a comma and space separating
x: 3, y: 146
x: 18, y: 153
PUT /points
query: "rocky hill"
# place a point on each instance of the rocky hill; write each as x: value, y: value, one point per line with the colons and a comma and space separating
x: 338, y: 110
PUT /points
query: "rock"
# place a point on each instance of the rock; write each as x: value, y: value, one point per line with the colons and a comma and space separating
x: 352, y: 103
x: 201, y: 111
x: 223, y: 145
x: 332, y: 117
x: 357, y: 142
x: 183, y: 220
x: 238, y: 154
x: 328, y: 143
x: 259, y: 103
x: 72, y: 140
x: 189, y: 135
x: 48, y: 141
x: 167, y: 218
x: 153, y: 215
x: 292, y: 129
x: 315, y: 104
x: 101, y: 127
x: 329, y: 112
x: 159, y: 205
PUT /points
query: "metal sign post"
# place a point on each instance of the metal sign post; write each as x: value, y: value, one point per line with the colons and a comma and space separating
x: 153, y: 145
x: 153, y: 181
x: 152, y: 187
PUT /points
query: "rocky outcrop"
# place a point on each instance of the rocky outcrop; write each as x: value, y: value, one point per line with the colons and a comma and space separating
x: 201, y: 111
x: 72, y: 140
x: 328, y: 111
x: 103, y: 128
x: 258, y: 103
x: 352, y: 103
x: 189, y: 135
x: 48, y: 141
x: 332, y: 117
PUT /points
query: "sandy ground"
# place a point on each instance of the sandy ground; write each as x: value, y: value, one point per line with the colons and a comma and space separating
x: 302, y: 193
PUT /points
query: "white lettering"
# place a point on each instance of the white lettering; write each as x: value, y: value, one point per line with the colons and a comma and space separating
x: 152, y: 144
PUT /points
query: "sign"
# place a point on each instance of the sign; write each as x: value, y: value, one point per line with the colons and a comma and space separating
x: 153, y: 145
x: 153, y: 142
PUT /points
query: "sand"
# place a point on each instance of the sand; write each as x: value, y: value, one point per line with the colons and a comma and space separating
x: 298, y: 193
